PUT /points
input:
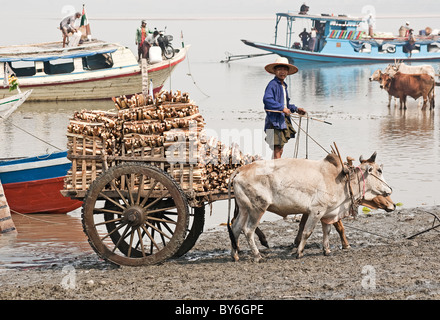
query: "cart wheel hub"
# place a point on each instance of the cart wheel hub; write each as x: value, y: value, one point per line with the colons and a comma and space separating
x: 134, y: 215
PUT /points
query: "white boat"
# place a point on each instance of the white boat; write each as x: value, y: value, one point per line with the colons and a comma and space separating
x: 11, y: 103
x: 93, y: 70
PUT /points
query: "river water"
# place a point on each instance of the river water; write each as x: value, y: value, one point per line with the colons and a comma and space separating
x: 229, y: 96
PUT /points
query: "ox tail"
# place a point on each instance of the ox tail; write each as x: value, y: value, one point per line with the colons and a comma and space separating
x: 432, y: 102
x: 228, y: 224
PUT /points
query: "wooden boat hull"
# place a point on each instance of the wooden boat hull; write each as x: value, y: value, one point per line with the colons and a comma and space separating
x: 123, y: 78
x: 32, y: 185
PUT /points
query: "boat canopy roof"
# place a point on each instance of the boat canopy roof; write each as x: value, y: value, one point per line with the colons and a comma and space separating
x: 54, y: 50
x: 322, y: 17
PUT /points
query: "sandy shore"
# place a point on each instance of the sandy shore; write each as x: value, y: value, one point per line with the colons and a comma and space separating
x: 383, y: 265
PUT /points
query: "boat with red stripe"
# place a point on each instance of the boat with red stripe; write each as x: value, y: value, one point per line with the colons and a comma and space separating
x: 33, y: 184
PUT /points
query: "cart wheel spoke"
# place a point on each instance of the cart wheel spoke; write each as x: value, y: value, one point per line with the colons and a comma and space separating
x: 129, y: 188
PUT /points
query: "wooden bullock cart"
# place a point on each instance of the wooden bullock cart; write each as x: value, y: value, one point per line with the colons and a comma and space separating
x: 142, y: 206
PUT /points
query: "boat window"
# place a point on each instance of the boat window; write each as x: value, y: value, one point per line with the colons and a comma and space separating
x: 58, y: 66
x: 434, y: 47
x: 23, y: 68
x: 98, y: 61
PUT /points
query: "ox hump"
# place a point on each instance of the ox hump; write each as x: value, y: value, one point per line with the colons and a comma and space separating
x: 333, y: 159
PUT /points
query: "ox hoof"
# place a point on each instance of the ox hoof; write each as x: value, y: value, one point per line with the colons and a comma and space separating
x: 327, y: 253
x: 299, y: 255
x: 346, y: 247
x: 258, y: 259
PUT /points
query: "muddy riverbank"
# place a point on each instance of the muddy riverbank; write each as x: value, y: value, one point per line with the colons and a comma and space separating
x: 381, y: 264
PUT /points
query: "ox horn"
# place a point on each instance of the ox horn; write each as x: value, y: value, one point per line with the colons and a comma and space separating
x: 371, y: 159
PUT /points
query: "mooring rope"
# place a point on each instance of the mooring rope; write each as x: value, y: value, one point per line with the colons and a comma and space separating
x: 37, y: 219
x: 190, y: 74
x: 31, y: 134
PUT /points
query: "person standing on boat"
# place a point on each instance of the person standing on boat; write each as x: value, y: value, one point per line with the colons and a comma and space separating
x: 67, y: 25
x: 141, y: 35
x: 312, y: 42
x: 411, y: 42
x: 278, y: 126
x: 371, y: 23
x: 305, y: 37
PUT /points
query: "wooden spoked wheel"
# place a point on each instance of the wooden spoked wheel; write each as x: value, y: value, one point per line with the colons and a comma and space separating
x: 135, y: 214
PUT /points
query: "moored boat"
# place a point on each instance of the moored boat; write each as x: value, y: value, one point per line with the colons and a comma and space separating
x: 11, y: 103
x: 33, y: 184
x: 341, y: 39
x: 93, y: 70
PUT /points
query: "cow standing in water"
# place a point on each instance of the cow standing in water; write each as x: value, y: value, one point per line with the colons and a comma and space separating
x: 321, y: 190
x: 414, y: 85
x: 401, y: 67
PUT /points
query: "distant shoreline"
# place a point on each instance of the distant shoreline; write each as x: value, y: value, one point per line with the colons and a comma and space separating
x: 415, y: 16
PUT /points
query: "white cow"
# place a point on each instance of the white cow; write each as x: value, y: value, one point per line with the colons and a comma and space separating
x: 321, y: 189
x: 404, y: 68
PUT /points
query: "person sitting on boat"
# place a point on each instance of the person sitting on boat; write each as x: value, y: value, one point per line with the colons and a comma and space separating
x: 278, y: 126
x: 404, y: 30
x: 67, y: 25
x: 141, y: 35
x: 305, y: 37
x: 304, y: 9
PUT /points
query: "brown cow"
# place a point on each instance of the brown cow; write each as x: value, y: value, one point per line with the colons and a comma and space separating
x: 413, y: 85
x: 379, y: 202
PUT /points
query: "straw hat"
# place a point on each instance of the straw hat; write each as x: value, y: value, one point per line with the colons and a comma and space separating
x: 281, y: 61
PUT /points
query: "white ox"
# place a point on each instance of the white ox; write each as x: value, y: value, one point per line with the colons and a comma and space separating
x: 320, y: 189
x: 401, y: 67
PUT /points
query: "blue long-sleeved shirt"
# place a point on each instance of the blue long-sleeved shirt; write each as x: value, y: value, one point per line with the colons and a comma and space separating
x: 274, y: 100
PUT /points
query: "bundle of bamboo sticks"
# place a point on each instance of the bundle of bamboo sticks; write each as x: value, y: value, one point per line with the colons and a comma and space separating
x: 107, y: 126
x: 168, y: 128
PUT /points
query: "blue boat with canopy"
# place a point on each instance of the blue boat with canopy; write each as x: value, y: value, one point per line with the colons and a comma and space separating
x: 341, y: 39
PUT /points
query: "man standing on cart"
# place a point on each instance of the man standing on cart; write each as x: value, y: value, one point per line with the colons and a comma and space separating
x: 278, y: 126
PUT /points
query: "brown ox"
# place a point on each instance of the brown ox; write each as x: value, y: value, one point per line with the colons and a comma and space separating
x: 319, y: 189
x: 379, y: 202
x: 414, y: 85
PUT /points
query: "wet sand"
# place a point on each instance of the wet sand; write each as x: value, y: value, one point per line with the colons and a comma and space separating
x: 381, y: 264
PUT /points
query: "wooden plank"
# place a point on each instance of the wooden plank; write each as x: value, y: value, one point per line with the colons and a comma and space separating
x: 6, y: 223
